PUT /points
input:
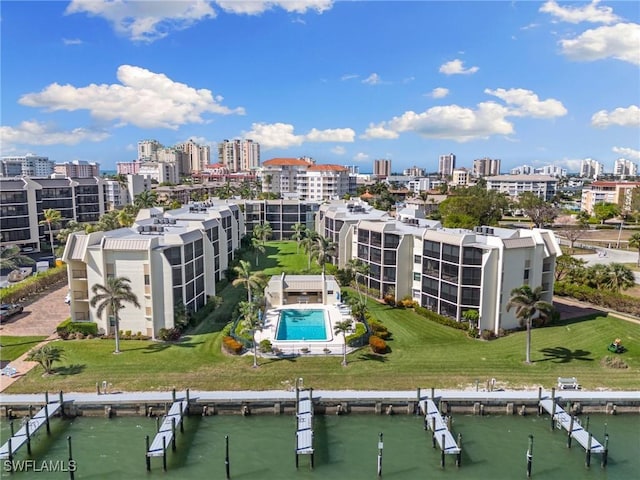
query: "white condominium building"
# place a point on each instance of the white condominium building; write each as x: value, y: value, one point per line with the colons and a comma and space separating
x: 620, y: 193
x: 590, y: 168
x: 625, y: 168
x: 446, y: 164
x: 513, y: 185
x: 29, y: 165
x: 323, y: 182
x: 484, y: 167
x: 239, y: 155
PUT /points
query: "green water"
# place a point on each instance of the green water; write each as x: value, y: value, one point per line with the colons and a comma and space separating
x: 262, y: 447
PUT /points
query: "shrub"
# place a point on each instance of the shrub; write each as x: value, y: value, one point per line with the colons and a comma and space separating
x: 377, y: 344
x: 265, y: 346
x: 67, y: 328
x: 359, y: 337
x: 473, y: 332
x: 127, y: 333
x: 441, y: 319
x: 613, y: 362
x: 231, y: 345
x: 487, y: 334
x: 379, y: 330
x: 389, y: 299
x: 33, y: 285
x: 603, y: 298
x: 169, y: 334
x: 407, y: 302
x: 79, y: 335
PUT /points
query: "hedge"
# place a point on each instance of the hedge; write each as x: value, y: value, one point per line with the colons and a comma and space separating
x: 359, y: 338
x: 67, y: 328
x: 602, y: 298
x: 33, y: 285
x: 436, y: 317
x: 377, y: 344
x: 231, y: 345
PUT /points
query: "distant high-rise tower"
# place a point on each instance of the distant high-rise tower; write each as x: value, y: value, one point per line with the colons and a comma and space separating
x: 239, y: 155
x: 446, y: 164
x: 381, y: 168
x: 591, y: 168
x: 197, y: 156
x: 625, y: 168
x: 486, y: 167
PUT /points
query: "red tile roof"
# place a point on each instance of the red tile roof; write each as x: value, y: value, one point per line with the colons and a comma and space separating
x: 326, y: 168
x: 285, y: 162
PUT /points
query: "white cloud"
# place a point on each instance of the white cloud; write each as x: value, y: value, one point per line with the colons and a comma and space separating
x: 131, y: 147
x: 339, y: 150
x: 456, y: 67
x: 373, y: 79
x: 618, y: 41
x: 571, y: 164
x: 255, y: 7
x: 360, y: 157
x: 527, y: 103
x: 623, y: 117
x: 145, y: 21
x: 36, y: 133
x: 438, y: 92
x: 583, y: 13
x: 408, y: 79
x: 348, y: 76
x: 281, y: 135
x: 628, y: 153
x: 202, y: 141
x: 379, y: 131
x: 144, y: 98
x: 72, y: 41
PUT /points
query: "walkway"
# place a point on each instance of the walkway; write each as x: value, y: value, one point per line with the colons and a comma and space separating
x: 441, y: 434
x: 584, y: 438
x: 23, y: 436
x: 167, y: 430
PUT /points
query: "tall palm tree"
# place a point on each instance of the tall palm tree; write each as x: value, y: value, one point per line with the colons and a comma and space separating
x: 343, y: 328
x: 145, y: 199
x: 324, y: 251
x: 247, y: 278
x: 51, y: 218
x: 298, y: 233
x: 11, y: 258
x: 360, y: 269
x: 267, y: 232
x: 110, y: 297
x: 258, y: 231
x: 528, y: 305
x: 258, y: 247
x: 125, y: 218
x: 634, y: 242
x: 251, y: 323
x: 308, y: 243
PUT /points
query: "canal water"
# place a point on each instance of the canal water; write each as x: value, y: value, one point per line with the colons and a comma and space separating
x: 262, y: 447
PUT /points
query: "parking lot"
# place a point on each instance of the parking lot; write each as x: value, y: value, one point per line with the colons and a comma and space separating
x: 41, y: 316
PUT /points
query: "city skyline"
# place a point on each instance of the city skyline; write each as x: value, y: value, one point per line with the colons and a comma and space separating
x: 344, y: 82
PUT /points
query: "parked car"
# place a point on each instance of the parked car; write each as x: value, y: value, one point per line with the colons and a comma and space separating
x: 7, y: 310
x: 67, y: 298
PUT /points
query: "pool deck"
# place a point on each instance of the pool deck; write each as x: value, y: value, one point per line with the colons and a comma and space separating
x: 332, y: 346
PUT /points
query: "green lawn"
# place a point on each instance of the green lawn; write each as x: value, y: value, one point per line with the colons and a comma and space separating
x: 423, y: 354
x: 13, y: 347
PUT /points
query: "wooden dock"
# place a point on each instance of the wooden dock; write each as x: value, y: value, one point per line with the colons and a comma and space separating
x: 304, y: 424
x: 23, y: 436
x: 167, y: 430
x: 573, y: 427
x: 435, y: 422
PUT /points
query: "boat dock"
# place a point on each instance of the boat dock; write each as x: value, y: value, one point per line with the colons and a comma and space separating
x: 30, y: 427
x: 304, y: 423
x: 167, y: 432
x: 572, y: 426
x: 435, y: 422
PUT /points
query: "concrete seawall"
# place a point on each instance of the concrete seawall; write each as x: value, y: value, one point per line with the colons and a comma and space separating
x: 282, y: 402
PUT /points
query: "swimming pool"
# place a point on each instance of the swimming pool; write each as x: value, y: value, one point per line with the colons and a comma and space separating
x: 307, y: 324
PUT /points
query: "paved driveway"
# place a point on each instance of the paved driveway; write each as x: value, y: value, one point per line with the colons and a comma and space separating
x: 610, y: 255
x: 40, y: 317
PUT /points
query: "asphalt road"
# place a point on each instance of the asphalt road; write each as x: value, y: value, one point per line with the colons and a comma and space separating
x: 606, y: 256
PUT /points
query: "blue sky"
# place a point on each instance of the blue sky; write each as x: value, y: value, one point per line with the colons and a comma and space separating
x: 343, y: 82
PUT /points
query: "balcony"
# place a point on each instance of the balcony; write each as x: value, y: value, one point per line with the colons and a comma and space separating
x: 80, y: 296
x: 79, y: 274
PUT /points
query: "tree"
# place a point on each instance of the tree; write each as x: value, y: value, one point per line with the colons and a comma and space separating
x: 145, y: 199
x: 604, y: 211
x: 110, y: 298
x: 539, y: 211
x: 46, y: 356
x: 528, y: 305
x: 324, y: 251
x: 247, y: 278
x: 71, y: 227
x: 308, y: 244
x: 619, y: 277
x: 51, y: 218
x: 258, y: 247
x: 125, y: 218
x: 251, y: 324
x: 358, y: 308
x: 473, y: 317
x: 473, y: 206
x: 343, y: 327
x: 359, y: 269
x: 568, y: 267
x: 11, y: 258
x: 634, y: 242
x: 572, y: 233
x: 298, y: 233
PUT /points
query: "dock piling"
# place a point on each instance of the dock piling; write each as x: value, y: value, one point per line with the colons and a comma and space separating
x: 588, y: 459
x: 173, y: 433
x: 570, y: 431
x: 380, y: 447
x: 164, y: 454
x: 442, y: 452
x: 72, y: 468
x: 539, y: 400
x: 605, y: 454
x: 26, y: 426
x: 227, y: 466
x: 147, y: 458
x: 459, y: 454
x: 433, y: 431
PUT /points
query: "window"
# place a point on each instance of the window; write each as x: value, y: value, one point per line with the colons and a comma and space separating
x: 416, y: 276
x: 470, y: 296
x: 472, y: 256
x: 391, y: 241
x: 449, y: 292
x: 431, y: 249
x: 471, y: 276
x: 450, y: 272
x: 147, y: 280
x: 417, y: 259
x: 431, y: 267
x: 451, y: 253
x: 429, y: 285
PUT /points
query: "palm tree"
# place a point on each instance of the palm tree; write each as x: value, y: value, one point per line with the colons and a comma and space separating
x: 619, y: 277
x: 11, y: 258
x: 71, y: 227
x: 343, y: 327
x: 125, y: 218
x: 247, y: 278
x: 258, y: 247
x: 46, y: 356
x: 308, y: 243
x: 359, y: 269
x: 251, y: 323
x: 634, y: 242
x: 298, y: 233
x: 324, y: 250
x: 51, y: 218
x: 145, y: 199
x: 109, y: 298
x: 267, y: 232
x: 528, y: 305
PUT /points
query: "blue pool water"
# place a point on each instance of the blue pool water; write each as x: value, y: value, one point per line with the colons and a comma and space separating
x: 301, y: 325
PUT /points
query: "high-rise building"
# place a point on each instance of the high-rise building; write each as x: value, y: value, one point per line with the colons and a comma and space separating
x: 414, y: 172
x: 78, y: 169
x: 239, y: 155
x: 197, y: 157
x: 30, y: 166
x: 485, y: 167
x: 147, y: 149
x: 446, y: 164
x: 590, y: 168
x: 381, y: 168
x: 625, y: 168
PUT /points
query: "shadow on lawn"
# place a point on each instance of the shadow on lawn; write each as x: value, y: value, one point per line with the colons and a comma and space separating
x: 160, y: 347
x: 564, y: 355
x: 5, y: 345
x: 74, y: 369
x: 364, y: 357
